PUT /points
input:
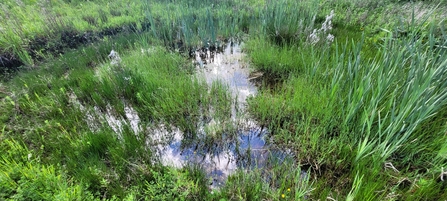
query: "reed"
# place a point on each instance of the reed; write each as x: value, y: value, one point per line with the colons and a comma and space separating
x: 374, y: 104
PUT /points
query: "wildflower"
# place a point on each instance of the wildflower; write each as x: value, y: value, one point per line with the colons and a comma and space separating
x: 361, y: 29
x: 283, y: 196
x: 288, y: 189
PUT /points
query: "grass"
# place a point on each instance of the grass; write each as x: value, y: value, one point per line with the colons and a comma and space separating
x: 369, y: 106
x: 62, y: 116
x: 364, y: 115
x: 31, y: 30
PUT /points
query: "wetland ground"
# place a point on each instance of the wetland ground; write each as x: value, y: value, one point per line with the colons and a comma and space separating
x: 223, y: 100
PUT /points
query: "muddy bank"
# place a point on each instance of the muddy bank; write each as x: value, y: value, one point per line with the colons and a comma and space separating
x: 58, y: 43
x: 9, y: 63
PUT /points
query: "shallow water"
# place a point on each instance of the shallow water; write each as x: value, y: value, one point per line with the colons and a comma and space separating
x: 228, y: 66
x: 245, y: 148
x: 249, y: 149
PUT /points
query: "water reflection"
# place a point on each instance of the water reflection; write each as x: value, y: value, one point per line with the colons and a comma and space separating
x: 249, y: 149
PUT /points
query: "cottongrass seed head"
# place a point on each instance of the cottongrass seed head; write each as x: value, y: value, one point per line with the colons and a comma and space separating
x: 116, y: 59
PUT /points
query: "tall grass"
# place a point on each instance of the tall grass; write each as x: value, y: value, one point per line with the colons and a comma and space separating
x: 282, y: 21
x: 374, y: 106
x: 284, y: 181
x: 185, y: 24
x: 288, y: 21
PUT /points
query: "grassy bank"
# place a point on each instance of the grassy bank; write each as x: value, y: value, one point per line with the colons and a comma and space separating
x: 356, y: 90
x: 32, y: 30
x: 361, y: 112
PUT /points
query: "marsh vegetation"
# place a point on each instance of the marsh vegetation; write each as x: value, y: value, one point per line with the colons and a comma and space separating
x: 223, y: 100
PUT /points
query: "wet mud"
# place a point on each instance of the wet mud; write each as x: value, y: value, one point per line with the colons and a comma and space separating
x: 60, y: 42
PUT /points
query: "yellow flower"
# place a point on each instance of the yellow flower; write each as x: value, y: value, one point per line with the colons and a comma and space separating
x: 288, y: 189
x: 283, y: 196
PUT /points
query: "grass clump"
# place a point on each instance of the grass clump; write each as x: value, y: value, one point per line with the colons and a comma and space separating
x: 286, y: 22
x: 285, y: 181
x: 23, y: 178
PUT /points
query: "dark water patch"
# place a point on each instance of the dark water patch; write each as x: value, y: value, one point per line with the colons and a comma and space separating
x: 205, y: 50
x: 9, y: 65
x: 72, y: 39
x: 55, y: 44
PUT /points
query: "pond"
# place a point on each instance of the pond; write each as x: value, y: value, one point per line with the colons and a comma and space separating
x: 249, y: 149
x: 245, y: 147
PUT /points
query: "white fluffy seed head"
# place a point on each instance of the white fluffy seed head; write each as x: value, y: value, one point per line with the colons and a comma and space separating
x: 114, y: 56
